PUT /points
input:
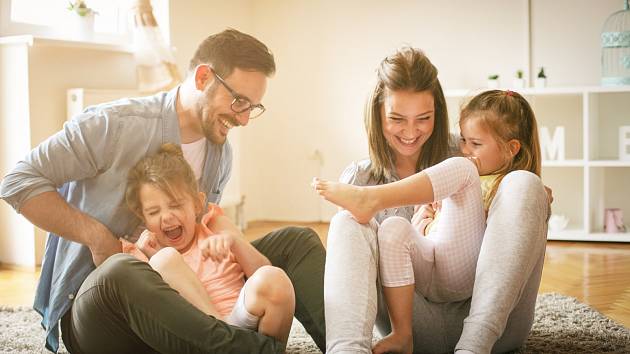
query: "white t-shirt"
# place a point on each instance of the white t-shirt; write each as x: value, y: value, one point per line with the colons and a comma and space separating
x: 195, y: 154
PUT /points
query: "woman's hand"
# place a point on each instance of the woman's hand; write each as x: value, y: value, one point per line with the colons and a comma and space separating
x: 549, y: 194
x: 147, y: 243
x: 217, y: 247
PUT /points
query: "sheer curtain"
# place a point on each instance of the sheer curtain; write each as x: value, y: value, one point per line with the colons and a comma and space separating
x: 155, y: 63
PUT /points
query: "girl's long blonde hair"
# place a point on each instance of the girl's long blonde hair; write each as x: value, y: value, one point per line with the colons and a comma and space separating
x: 507, y: 116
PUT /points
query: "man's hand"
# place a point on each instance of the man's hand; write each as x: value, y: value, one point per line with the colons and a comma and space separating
x: 52, y: 213
x: 103, y: 244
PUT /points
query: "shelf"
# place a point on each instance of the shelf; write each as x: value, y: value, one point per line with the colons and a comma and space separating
x: 609, y: 163
x: 591, y: 177
x: 582, y: 163
x: 581, y: 236
x: 578, y: 90
x: 563, y: 163
x: 51, y: 42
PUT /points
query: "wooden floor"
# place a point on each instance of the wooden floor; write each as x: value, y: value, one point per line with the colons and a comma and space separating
x: 597, y: 274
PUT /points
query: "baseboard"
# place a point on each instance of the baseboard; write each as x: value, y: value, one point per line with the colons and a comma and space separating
x: 19, y: 267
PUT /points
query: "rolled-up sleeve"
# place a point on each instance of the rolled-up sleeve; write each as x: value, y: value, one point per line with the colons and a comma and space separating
x: 80, y: 150
x: 352, y: 175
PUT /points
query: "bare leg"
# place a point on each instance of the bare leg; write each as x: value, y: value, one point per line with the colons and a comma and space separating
x: 400, y: 304
x: 176, y: 273
x: 364, y: 202
x: 269, y: 295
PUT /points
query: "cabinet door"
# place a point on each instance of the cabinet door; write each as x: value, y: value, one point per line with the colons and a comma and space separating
x: 608, y: 115
x: 560, y: 121
x: 567, y: 184
x: 609, y: 189
x: 609, y: 163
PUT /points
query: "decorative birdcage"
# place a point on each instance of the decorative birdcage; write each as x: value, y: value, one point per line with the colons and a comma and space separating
x: 616, y: 48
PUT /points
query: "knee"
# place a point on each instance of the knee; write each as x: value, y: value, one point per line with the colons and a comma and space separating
x: 272, y: 284
x: 118, y: 269
x: 523, y: 175
x: 344, y: 231
x: 307, y: 236
x: 165, y: 258
x: 394, y: 229
x: 303, y: 236
x: 522, y: 179
x: 394, y: 221
x: 523, y: 185
x: 343, y: 217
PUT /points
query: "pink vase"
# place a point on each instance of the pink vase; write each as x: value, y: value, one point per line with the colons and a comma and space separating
x: 613, y: 220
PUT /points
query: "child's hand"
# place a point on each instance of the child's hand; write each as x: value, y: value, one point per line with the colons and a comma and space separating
x: 147, y: 243
x: 217, y: 247
x: 424, y: 215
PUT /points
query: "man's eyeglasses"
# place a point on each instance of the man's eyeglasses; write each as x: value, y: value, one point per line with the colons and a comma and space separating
x: 241, y: 104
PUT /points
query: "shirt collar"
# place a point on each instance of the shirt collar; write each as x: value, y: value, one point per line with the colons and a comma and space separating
x: 171, y: 122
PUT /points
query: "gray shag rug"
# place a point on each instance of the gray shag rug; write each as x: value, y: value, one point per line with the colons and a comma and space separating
x: 562, y: 325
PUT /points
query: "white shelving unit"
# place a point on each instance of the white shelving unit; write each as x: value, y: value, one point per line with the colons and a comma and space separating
x: 591, y: 177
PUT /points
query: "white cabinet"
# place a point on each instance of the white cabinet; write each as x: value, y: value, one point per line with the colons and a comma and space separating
x: 77, y: 99
x: 34, y: 76
x: 592, y: 176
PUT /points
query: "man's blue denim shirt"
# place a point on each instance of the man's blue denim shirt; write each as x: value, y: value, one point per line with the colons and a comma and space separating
x: 87, y: 162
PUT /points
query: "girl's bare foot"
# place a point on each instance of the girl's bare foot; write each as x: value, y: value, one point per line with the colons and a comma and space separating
x: 355, y: 199
x: 394, y: 343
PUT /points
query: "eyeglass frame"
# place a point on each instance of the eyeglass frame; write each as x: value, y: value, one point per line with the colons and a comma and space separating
x: 236, y: 97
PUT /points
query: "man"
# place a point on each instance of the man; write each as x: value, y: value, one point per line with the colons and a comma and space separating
x: 122, y: 305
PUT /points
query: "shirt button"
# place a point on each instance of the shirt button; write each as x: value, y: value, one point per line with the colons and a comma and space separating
x: 71, y: 296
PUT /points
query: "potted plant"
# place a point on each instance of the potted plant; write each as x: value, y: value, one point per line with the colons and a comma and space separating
x: 541, y: 78
x: 493, y: 81
x: 519, y: 80
x: 82, y: 19
x: 81, y: 8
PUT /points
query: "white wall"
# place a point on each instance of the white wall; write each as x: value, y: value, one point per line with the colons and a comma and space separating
x: 191, y: 22
x: 326, y: 52
x: 33, y: 87
x: 15, y: 138
x: 566, y: 39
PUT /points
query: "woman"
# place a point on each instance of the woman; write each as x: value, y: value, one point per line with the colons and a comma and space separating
x: 407, y: 126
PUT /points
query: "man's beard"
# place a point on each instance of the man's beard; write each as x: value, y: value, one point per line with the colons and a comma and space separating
x: 207, y: 113
x: 209, y: 129
x: 209, y: 125
x: 210, y: 119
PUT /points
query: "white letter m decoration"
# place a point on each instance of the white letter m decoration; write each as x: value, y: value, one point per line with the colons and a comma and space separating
x: 552, y: 148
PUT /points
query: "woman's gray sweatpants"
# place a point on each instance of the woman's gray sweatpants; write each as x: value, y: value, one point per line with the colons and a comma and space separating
x: 499, y: 315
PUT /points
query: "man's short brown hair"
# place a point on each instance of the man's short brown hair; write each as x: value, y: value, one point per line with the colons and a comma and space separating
x: 231, y: 49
